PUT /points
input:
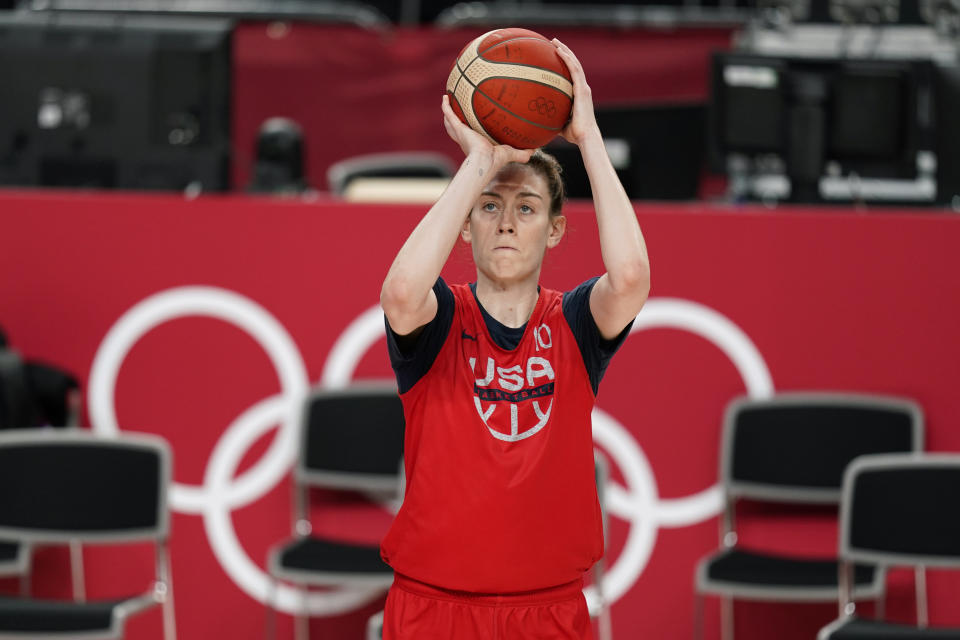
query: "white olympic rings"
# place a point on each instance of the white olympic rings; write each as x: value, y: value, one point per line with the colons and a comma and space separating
x: 220, y: 493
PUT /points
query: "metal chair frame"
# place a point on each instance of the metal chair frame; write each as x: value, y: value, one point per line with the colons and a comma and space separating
x: 161, y: 591
x: 304, y: 479
x: 850, y: 554
x: 736, y: 489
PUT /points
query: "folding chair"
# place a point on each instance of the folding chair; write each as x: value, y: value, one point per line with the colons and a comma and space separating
x: 793, y: 449
x: 70, y: 487
x: 897, y: 510
x: 352, y: 440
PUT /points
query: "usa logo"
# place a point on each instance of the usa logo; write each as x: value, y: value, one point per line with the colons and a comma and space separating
x: 515, y: 402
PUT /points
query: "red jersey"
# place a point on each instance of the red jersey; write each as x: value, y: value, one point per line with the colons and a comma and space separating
x: 500, y: 495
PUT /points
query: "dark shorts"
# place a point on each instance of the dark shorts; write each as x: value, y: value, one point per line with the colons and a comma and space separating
x: 418, y: 610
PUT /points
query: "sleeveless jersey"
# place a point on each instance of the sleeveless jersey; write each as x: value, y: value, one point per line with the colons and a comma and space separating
x: 500, y: 495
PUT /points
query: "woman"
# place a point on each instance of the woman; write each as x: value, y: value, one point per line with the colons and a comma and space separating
x: 500, y: 518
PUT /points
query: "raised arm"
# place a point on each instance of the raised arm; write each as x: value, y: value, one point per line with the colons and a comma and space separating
x: 617, y: 297
x: 407, y: 296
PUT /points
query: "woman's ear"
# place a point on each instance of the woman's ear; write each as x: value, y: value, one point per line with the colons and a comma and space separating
x: 465, y: 230
x: 558, y: 226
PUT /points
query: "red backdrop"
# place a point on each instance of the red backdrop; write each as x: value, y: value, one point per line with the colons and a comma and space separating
x: 830, y: 299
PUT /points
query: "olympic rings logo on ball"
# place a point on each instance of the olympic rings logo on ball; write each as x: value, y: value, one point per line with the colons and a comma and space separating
x: 637, y: 503
x: 542, y: 106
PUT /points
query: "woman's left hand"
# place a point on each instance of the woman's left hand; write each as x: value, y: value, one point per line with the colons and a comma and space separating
x: 582, y: 122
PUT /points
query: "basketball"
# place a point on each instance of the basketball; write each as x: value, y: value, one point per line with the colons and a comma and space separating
x: 511, y: 86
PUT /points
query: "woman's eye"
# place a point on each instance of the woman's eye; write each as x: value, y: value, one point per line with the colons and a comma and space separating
x: 490, y: 206
x: 525, y: 209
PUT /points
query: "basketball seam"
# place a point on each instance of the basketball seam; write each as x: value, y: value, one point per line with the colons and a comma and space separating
x: 480, y: 53
x: 464, y: 108
x: 463, y: 71
x: 493, y: 63
x: 531, y: 66
x: 457, y: 84
x: 480, y: 122
x: 517, y: 116
x: 463, y: 75
x: 518, y: 64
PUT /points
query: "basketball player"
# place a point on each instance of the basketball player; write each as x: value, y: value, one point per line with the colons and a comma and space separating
x: 500, y: 519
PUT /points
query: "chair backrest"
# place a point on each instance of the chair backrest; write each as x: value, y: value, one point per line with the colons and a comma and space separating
x: 72, y: 485
x: 400, y: 164
x: 794, y: 447
x: 352, y: 438
x: 902, y: 510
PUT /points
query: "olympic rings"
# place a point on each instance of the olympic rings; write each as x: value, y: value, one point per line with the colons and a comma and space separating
x: 230, y: 307
x: 638, y: 503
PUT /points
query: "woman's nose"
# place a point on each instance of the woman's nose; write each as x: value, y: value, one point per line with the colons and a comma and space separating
x: 506, y: 224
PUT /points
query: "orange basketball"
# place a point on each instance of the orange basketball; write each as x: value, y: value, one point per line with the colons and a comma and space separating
x: 511, y: 86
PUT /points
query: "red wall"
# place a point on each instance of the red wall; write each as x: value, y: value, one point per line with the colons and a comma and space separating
x: 829, y: 299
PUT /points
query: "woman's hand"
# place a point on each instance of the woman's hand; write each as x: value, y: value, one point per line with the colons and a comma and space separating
x: 583, y: 122
x: 474, y: 144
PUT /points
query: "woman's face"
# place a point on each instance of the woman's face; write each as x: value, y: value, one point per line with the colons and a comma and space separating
x: 510, y: 227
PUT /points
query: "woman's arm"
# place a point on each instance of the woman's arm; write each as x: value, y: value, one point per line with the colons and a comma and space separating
x: 619, y: 294
x: 407, y: 296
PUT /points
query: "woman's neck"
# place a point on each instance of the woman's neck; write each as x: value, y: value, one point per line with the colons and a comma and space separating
x: 510, y: 304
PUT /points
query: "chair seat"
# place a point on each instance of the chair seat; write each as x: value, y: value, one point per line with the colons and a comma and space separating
x: 767, y: 576
x: 858, y: 629
x: 41, y: 616
x: 320, y: 560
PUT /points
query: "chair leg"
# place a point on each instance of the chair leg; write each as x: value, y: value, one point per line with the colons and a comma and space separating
x: 605, y: 624
x: 76, y: 572
x: 169, y: 624
x: 270, y: 623
x: 698, y: 615
x: 301, y: 621
x: 920, y: 584
x: 726, y: 618
x: 166, y: 585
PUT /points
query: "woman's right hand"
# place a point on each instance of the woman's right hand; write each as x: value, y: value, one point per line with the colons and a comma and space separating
x: 472, y: 143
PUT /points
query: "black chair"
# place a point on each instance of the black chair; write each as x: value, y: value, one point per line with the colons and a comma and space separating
x: 897, y: 510
x: 793, y: 449
x: 70, y: 487
x: 352, y: 440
